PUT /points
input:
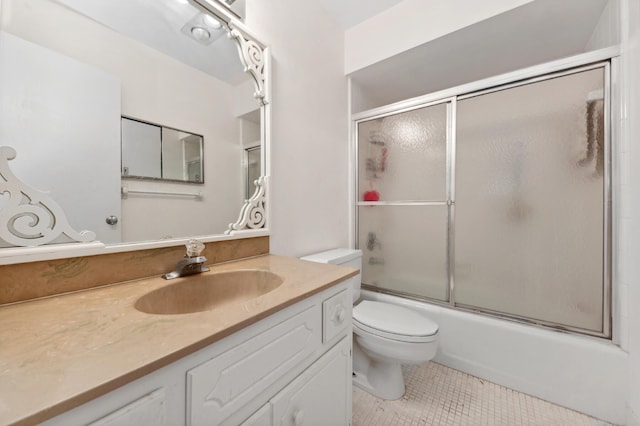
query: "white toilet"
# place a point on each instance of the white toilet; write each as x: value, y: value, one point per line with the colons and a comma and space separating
x: 385, y: 335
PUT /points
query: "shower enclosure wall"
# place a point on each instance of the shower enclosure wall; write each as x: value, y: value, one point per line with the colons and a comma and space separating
x: 494, y: 201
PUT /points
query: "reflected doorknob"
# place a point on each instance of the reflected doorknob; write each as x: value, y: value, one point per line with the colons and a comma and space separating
x: 111, y: 220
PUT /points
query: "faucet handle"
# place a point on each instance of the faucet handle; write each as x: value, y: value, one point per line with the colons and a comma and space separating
x: 194, y: 248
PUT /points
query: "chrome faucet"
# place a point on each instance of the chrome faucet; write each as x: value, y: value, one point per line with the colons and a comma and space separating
x: 192, y: 263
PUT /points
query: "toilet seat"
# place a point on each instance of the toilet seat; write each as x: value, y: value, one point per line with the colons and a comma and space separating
x: 393, y: 322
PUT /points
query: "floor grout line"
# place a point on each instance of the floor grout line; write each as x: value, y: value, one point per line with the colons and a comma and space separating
x: 438, y: 395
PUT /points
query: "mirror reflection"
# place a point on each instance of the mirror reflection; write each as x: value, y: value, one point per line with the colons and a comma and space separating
x: 71, y: 69
x: 158, y: 152
x: 253, y: 155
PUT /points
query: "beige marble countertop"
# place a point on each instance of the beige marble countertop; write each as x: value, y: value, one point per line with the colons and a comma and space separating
x: 60, y: 352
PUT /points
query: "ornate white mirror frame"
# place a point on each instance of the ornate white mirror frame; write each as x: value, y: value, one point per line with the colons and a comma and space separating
x: 30, y: 218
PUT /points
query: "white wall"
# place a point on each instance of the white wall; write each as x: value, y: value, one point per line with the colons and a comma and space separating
x: 628, y: 243
x: 607, y: 30
x: 50, y: 106
x: 309, y: 134
x: 412, y: 23
x: 309, y: 188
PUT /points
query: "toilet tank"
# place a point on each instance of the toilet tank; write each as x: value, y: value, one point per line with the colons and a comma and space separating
x: 344, y: 257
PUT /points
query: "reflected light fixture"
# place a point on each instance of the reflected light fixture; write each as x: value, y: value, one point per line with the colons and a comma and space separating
x: 203, y: 28
x: 200, y: 33
x: 211, y: 22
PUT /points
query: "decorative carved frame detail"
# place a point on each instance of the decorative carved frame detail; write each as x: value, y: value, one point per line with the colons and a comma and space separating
x: 252, y: 56
x: 253, y: 212
x: 30, y: 217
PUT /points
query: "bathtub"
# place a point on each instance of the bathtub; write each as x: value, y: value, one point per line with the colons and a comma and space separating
x: 583, y: 373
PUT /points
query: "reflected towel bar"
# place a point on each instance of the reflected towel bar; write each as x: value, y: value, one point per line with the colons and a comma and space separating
x: 126, y: 191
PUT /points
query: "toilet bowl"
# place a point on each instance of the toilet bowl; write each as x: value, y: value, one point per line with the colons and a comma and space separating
x: 385, y: 336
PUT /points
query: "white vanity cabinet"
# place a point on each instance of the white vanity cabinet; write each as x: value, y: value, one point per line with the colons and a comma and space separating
x: 290, y: 368
x: 319, y: 396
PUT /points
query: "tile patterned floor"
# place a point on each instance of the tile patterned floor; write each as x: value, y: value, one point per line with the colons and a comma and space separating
x: 438, y: 395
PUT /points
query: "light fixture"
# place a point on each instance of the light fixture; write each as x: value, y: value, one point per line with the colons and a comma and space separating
x: 203, y: 28
x: 200, y: 33
x: 211, y: 22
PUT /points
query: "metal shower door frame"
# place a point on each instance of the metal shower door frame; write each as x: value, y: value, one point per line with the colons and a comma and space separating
x: 600, y: 59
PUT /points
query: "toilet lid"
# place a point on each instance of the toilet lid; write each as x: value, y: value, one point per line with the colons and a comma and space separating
x: 392, y: 319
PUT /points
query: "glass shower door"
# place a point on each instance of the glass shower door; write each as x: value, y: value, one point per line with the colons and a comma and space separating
x: 402, y: 201
x: 529, y: 217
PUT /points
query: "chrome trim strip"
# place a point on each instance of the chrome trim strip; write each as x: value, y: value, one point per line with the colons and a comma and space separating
x: 352, y: 190
x: 398, y: 108
x: 356, y: 183
x: 536, y: 79
x: 608, y: 201
x: 615, y: 150
x: 451, y: 191
x: 547, y: 325
x: 531, y: 321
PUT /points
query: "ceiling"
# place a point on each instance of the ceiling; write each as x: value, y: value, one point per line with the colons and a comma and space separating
x: 165, y: 26
x: 535, y: 33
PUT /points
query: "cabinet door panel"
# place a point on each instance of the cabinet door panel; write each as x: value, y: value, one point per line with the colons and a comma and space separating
x: 223, y: 385
x: 262, y: 417
x: 321, y: 395
x: 148, y: 410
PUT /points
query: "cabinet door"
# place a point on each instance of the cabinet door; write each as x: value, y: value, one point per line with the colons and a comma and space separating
x: 336, y: 315
x: 148, y: 410
x: 321, y: 395
x: 225, y: 385
x: 262, y: 417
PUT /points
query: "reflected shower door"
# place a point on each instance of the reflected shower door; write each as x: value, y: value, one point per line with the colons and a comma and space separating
x: 402, y: 207
x: 529, y: 215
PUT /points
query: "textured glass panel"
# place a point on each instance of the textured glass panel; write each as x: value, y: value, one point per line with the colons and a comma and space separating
x: 529, y: 201
x: 253, y: 169
x: 405, y: 249
x: 403, y: 156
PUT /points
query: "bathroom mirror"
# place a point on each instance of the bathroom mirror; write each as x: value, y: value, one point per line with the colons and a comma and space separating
x: 151, y: 151
x: 71, y: 69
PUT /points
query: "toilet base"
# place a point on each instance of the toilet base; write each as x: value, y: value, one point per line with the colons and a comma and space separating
x: 388, y: 385
x: 380, y: 378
